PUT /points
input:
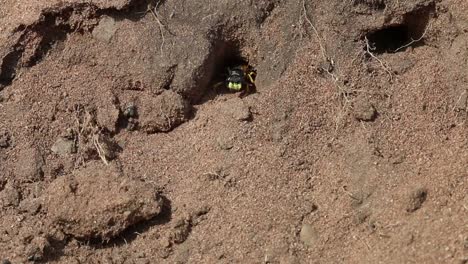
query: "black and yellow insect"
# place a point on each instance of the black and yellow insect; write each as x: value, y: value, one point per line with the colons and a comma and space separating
x: 240, y: 78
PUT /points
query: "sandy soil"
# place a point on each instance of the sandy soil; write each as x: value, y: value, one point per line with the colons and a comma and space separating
x: 116, y: 148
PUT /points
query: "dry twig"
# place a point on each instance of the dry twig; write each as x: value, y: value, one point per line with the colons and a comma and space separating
x: 210, y: 15
x: 88, y: 132
x: 100, y: 150
x: 343, y: 188
x: 459, y: 100
x: 365, y: 243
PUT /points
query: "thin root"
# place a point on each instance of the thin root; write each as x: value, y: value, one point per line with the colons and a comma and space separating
x: 414, y: 40
x: 319, y: 39
x: 162, y: 27
x: 369, y: 49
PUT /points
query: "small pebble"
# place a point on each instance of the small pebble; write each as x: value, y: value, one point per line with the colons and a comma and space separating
x: 63, y: 146
x: 181, y: 231
x: 225, y: 143
x: 307, y: 235
x: 237, y: 109
x: 416, y: 199
x: 364, y: 111
x: 105, y: 30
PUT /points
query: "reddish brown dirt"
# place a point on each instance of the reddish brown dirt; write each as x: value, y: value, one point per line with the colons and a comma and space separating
x: 114, y: 148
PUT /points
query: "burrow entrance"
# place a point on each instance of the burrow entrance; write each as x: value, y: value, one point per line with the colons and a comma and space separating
x: 228, y: 55
x: 395, y: 38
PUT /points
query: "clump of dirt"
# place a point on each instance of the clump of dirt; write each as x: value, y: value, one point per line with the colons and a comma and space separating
x: 5, y: 139
x: 38, y: 249
x: 364, y: 110
x: 79, y: 204
x: 416, y: 198
x: 181, y: 231
x: 183, y: 226
x: 9, y: 196
x: 30, y: 166
x: 108, y: 112
x: 162, y: 113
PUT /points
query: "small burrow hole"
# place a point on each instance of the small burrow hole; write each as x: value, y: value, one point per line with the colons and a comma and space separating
x: 399, y: 37
x: 388, y: 39
x: 229, y: 56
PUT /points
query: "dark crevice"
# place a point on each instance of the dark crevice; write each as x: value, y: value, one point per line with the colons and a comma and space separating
x: 132, y: 232
x: 399, y: 37
x: 134, y: 11
x: 38, y: 39
x: 226, y: 54
x: 8, y: 67
x: 372, y: 4
x: 54, y: 26
x: 50, y: 33
x: 388, y: 39
x: 228, y: 58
